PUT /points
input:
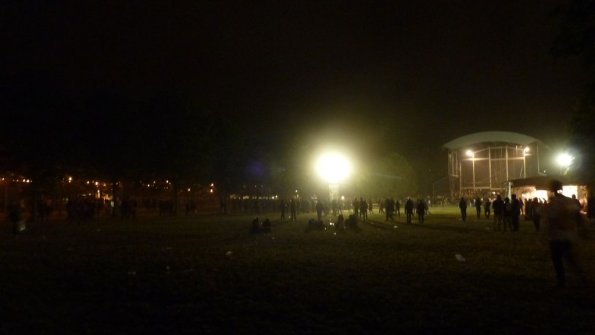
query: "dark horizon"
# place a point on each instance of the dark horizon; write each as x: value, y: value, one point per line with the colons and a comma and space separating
x: 381, y: 77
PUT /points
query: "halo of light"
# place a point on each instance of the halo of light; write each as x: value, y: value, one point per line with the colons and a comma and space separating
x: 564, y: 159
x: 333, y: 167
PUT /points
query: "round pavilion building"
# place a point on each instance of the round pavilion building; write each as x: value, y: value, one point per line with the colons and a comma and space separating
x: 483, y: 163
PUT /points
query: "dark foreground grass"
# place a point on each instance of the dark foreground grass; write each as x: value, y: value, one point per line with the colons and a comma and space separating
x: 206, y: 275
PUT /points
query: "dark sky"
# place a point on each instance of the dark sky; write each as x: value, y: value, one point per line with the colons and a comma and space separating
x: 409, y: 75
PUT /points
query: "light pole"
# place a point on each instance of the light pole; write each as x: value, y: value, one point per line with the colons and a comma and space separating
x: 333, y: 168
x: 471, y: 154
x: 525, y: 153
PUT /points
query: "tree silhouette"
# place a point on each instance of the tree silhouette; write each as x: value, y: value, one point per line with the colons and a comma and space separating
x: 576, y: 38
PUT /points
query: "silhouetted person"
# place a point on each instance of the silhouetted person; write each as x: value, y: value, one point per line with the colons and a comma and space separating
x: 562, y: 218
x: 340, y: 225
x: 498, y: 206
x: 409, y: 209
x: 478, y: 207
x: 591, y: 207
x: 507, y: 215
x: 421, y: 210
x: 319, y: 209
x: 463, y: 208
x: 578, y: 203
x: 487, y: 208
x: 293, y: 209
x: 516, y: 206
x: 398, y: 208
x: 363, y: 209
x: 536, y: 211
x: 389, y: 205
x: 282, y: 207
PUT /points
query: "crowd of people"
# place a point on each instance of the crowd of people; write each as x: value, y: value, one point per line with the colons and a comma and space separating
x: 506, y: 213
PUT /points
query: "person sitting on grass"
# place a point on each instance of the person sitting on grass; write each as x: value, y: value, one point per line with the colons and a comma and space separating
x: 315, y: 225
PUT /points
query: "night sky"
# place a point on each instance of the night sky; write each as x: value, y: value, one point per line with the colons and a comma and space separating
x: 398, y: 76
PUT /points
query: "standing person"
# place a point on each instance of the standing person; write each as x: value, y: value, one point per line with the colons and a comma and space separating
x: 319, y: 209
x: 398, y: 208
x: 293, y: 209
x: 409, y: 209
x: 562, y: 217
x: 463, y: 208
x: 389, y: 208
x: 355, y: 207
x: 478, y: 207
x: 536, y: 209
x: 283, y: 207
x: 578, y: 203
x: 507, y: 215
x: 487, y: 208
x: 498, y: 206
x: 517, y: 206
x: 421, y: 211
x: 363, y: 209
x: 591, y: 207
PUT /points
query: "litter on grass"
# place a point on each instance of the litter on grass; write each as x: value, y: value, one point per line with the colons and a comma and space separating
x: 460, y: 258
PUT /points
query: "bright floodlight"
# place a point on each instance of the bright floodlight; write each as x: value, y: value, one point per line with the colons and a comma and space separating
x: 564, y: 159
x: 333, y: 167
x: 469, y: 153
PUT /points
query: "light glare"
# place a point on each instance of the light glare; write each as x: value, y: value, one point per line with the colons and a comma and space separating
x: 564, y: 159
x: 333, y: 167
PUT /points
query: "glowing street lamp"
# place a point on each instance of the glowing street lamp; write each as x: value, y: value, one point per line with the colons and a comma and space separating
x: 333, y: 168
x: 564, y: 161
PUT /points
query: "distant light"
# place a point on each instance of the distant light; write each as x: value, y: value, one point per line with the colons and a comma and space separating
x: 526, y: 150
x: 333, y: 167
x: 469, y: 153
x: 188, y: 189
x: 212, y: 184
x: 564, y: 159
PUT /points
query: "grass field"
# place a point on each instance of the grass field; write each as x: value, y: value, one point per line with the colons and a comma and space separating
x: 206, y: 275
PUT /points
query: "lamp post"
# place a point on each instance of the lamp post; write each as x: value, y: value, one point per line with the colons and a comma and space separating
x: 525, y: 153
x: 471, y: 154
x: 333, y: 168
